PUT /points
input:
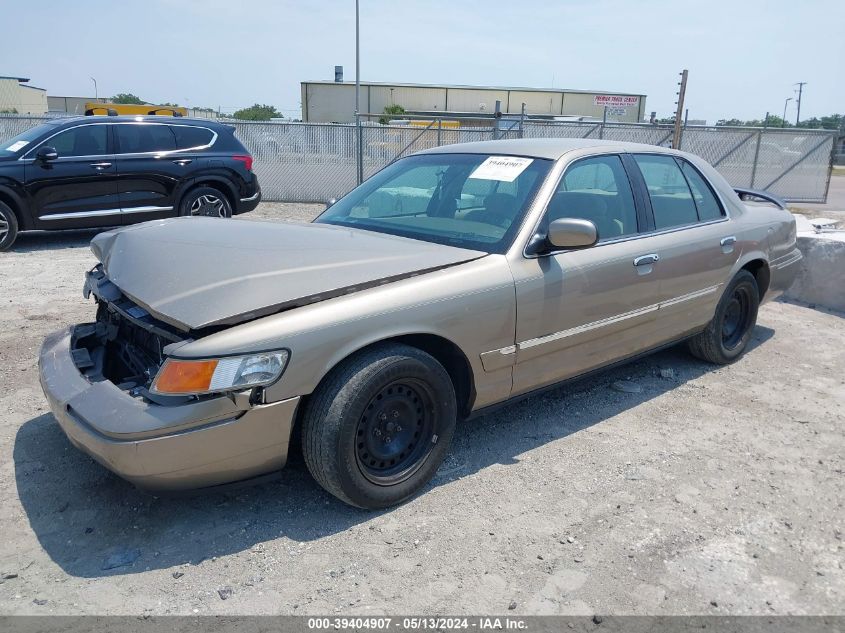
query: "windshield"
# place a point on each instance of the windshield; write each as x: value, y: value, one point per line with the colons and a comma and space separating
x: 22, y: 141
x: 467, y: 200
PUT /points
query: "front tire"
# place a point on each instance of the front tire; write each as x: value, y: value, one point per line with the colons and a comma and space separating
x: 727, y: 336
x: 8, y: 227
x: 206, y: 201
x: 378, y: 427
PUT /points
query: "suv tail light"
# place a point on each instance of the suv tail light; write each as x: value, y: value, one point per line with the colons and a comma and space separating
x: 246, y: 159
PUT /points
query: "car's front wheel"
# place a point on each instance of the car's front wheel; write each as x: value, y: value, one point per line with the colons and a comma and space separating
x: 727, y: 335
x: 206, y: 201
x: 377, y: 428
x: 8, y: 227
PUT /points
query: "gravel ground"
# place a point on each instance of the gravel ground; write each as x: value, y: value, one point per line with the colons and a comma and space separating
x: 711, y: 491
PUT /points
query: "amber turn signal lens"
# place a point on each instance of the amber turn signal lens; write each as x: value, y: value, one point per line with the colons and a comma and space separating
x: 183, y: 377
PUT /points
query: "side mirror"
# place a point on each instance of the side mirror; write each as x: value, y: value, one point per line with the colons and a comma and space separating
x: 46, y: 154
x: 572, y: 233
x: 330, y: 202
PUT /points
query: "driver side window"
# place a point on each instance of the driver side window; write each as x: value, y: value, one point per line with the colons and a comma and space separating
x: 597, y: 189
x: 84, y: 140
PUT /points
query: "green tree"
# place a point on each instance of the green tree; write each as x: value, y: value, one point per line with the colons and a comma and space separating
x: 127, y: 98
x: 257, y: 112
x: 831, y: 122
x: 393, y: 111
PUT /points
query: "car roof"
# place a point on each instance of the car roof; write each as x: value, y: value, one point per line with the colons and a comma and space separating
x: 136, y: 118
x: 549, y: 148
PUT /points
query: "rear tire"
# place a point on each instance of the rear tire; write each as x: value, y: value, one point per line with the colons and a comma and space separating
x: 205, y: 201
x: 727, y: 335
x: 8, y: 227
x: 378, y: 427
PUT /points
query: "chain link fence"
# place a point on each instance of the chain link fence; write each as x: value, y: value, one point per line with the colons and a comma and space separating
x: 307, y: 162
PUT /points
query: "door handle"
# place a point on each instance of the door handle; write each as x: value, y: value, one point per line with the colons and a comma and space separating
x: 100, y: 165
x: 728, y: 241
x: 645, y: 260
x: 183, y: 161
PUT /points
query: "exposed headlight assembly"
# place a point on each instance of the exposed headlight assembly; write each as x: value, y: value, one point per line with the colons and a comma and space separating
x: 217, y: 375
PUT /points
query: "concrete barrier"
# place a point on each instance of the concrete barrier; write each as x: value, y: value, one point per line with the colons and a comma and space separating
x: 821, y: 280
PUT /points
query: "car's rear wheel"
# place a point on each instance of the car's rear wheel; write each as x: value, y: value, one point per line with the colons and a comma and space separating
x: 206, y: 201
x: 377, y: 428
x: 727, y: 335
x: 8, y: 227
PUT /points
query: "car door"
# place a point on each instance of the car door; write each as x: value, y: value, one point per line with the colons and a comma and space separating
x: 149, y: 168
x: 580, y: 309
x: 78, y: 189
x: 692, y: 239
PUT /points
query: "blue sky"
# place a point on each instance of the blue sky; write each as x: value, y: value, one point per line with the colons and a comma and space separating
x: 743, y: 56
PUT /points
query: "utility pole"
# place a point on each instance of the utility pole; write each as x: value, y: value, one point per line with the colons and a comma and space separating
x: 676, y: 137
x: 800, y: 85
x: 360, y: 165
x: 783, y: 119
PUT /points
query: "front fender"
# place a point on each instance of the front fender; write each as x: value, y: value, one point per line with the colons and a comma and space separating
x: 472, y: 305
x: 15, y: 194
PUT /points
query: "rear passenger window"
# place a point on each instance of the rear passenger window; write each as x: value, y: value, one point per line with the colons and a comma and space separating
x: 597, y: 189
x: 671, y: 199
x: 705, y: 200
x: 139, y: 138
x: 189, y: 137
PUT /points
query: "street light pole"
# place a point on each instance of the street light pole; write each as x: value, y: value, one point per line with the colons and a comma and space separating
x: 360, y: 152
x: 96, y: 94
x: 800, y: 85
x: 783, y: 119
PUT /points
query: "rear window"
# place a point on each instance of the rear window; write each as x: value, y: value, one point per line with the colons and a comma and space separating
x: 671, y: 198
x: 188, y: 137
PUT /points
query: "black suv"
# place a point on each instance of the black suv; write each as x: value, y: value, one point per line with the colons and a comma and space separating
x: 105, y: 171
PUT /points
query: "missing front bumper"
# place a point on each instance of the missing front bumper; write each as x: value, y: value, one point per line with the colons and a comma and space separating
x: 194, y: 445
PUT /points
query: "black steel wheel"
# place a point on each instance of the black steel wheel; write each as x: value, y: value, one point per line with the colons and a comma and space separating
x: 379, y: 425
x: 394, y: 435
x: 727, y: 335
x: 736, y: 317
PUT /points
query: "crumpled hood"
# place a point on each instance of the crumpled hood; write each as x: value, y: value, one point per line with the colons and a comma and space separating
x: 198, y: 272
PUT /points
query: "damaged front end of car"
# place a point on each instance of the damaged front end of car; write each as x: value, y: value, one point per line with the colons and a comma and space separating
x: 125, y: 345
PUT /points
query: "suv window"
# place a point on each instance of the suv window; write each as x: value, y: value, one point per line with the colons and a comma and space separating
x: 137, y: 138
x: 597, y: 189
x: 188, y: 137
x: 670, y: 195
x: 705, y: 200
x: 84, y: 140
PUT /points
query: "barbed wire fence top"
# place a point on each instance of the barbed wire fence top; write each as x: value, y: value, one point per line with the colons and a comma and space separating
x: 313, y: 162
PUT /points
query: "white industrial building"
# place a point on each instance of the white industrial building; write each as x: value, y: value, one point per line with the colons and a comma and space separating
x: 16, y: 96
x: 334, y: 101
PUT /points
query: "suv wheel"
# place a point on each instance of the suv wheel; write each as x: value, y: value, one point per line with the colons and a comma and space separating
x: 206, y: 201
x: 376, y: 430
x: 8, y: 227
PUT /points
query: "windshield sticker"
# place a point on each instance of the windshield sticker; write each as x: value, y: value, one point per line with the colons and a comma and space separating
x: 501, y: 168
x: 14, y: 147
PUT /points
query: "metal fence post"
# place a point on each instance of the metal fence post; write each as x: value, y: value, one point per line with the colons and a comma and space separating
x: 359, y: 150
x: 603, y: 123
x: 439, y: 130
x: 756, y: 156
x: 522, y: 121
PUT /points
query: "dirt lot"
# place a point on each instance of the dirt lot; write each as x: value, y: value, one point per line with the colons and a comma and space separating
x: 712, y: 491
